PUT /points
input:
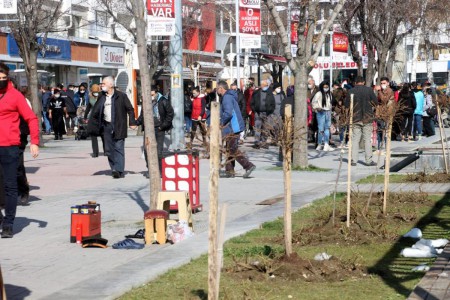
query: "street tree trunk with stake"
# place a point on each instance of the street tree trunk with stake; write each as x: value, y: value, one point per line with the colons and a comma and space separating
x: 287, y: 167
x: 139, y: 12
x: 349, y: 171
x: 309, y: 46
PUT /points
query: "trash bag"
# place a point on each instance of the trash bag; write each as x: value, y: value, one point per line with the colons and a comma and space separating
x: 178, y: 232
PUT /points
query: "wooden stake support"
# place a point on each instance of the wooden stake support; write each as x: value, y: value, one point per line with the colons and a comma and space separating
x: 387, y: 164
x: 441, y: 132
x: 223, y: 217
x: 349, y: 172
x: 214, y: 163
x: 287, y: 145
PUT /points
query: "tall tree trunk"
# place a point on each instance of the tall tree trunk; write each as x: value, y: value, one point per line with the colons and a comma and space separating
x: 382, y: 55
x: 370, y: 72
x: 146, y: 81
x: 429, y: 58
x: 416, y: 43
x: 301, y: 116
x: 390, y: 63
x: 32, y: 77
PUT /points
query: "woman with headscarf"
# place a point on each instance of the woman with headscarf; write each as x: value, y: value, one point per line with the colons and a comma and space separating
x: 322, y: 104
x: 93, y: 96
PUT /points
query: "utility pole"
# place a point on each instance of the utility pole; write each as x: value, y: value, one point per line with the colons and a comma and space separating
x: 176, y: 89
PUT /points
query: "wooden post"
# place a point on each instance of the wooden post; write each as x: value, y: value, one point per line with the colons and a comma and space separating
x: 441, y: 132
x: 349, y: 171
x: 287, y: 155
x: 2, y: 286
x: 223, y: 217
x: 213, y: 293
x: 387, y: 164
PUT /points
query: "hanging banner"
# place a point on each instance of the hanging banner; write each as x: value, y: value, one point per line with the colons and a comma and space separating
x: 161, y: 17
x: 250, y: 24
x: 8, y: 7
x: 340, y: 42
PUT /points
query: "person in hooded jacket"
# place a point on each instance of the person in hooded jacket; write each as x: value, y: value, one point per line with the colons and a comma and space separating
x: 198, y: 114
x: 12, y: 106
x: 322, y: 104
x: 56, y: 112
x: 232, y: 125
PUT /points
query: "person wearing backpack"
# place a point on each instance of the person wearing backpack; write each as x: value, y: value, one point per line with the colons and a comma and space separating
x: 429, y: 112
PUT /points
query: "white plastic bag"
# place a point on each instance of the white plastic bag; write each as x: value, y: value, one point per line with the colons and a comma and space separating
x: 416, y: 253
x: 415, y: 233
x: 322, y: 256
x: 421, y: 268
x: 439, y: 243
x: 178, y: 232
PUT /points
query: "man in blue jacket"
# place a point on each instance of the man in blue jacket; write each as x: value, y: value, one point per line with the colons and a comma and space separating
x: 232, y: 125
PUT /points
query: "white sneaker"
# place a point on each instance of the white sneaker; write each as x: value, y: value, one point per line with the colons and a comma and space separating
x: 328, y: 148
x: 319, y: 148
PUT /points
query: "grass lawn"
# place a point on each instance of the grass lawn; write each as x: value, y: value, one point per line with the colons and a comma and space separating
x: 366, y: 261
x: 310, y: 168
x: 420, y: 177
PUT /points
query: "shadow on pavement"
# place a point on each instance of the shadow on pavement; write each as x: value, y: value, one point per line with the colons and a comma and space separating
x: 16, y: 292
x: 136, y: 196
x: 395, y: 270
x: 20, y: 223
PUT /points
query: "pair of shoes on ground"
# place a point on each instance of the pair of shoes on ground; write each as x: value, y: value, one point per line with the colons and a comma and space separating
x: 94, y: 155
x: 117, y: 174
x: 7, y: 232
x: 248, y: 172
x: 128, y: 244
x: 326, y: 148
x: 24, y: 200
x: 140, y: 234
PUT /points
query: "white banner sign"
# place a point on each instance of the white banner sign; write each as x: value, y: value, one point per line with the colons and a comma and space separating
x: 161, y: 17
x: 113, y: 55
x: 250, y: 24
x: 8, y: 7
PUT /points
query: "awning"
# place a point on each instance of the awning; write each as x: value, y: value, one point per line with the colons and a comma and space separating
x: 271, y: 58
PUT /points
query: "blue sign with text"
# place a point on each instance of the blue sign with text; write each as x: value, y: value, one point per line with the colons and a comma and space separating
x: 53, y: 49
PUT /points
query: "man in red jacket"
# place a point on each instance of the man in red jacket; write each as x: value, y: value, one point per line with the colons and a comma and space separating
x: 12, y: 106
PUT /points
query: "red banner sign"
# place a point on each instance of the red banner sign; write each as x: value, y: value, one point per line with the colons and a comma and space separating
x: 250, y: 20
x: 340, y: 42
x: 161, y: 8
x: 294, y: 32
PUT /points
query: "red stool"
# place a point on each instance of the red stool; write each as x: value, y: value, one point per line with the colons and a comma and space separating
x: 155, y: 220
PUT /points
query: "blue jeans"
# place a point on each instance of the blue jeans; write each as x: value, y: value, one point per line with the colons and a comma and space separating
x: 9, y: 161
x: 114, y: 149
x: 47, y: 124
x: 417, y: 125
x: 323, y: 124
x: 188, y: 122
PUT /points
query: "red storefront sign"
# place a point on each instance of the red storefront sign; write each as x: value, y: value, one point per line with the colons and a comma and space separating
x: 336, y: 65
x: 294, y: 32
x: 340, y: 42
x: 161, y: 8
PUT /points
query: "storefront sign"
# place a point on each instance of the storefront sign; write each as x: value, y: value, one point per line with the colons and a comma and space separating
x: 250, y: 23
x: 336, y: 65
x: 53, y: 48
x: 113, y: 55
x: 161, y: 17
x: 8, y: 7
x: 340, y: 42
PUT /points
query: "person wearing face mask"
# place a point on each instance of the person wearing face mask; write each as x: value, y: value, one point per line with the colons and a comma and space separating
x: 279, y: 97
x: 12, y: 106
x: 95, y: 93
x: 162, y: 120
x: 263, y: 105
x: 198, y: 115
x: 109, y: 116
x: 56, y: 112
x: 321, y: 104
x: 312, y: 124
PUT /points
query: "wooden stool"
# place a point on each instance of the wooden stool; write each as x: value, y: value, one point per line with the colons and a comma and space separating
x: 184, y: 205
x: 155, y: 219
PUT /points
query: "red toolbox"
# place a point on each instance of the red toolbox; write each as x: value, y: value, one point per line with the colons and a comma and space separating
x: 86, y: 222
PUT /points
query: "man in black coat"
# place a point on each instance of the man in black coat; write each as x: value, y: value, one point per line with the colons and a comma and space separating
x: 263, y: 105
x: 162, y: 119
x: 110, y: 114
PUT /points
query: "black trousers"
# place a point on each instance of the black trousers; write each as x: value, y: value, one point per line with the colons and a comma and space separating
x: 428, y: 126
x: 9, y: 160
x: 94, y: 142
x: 22, y: 181
x: 407, y: 123
x: 159, y: 135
